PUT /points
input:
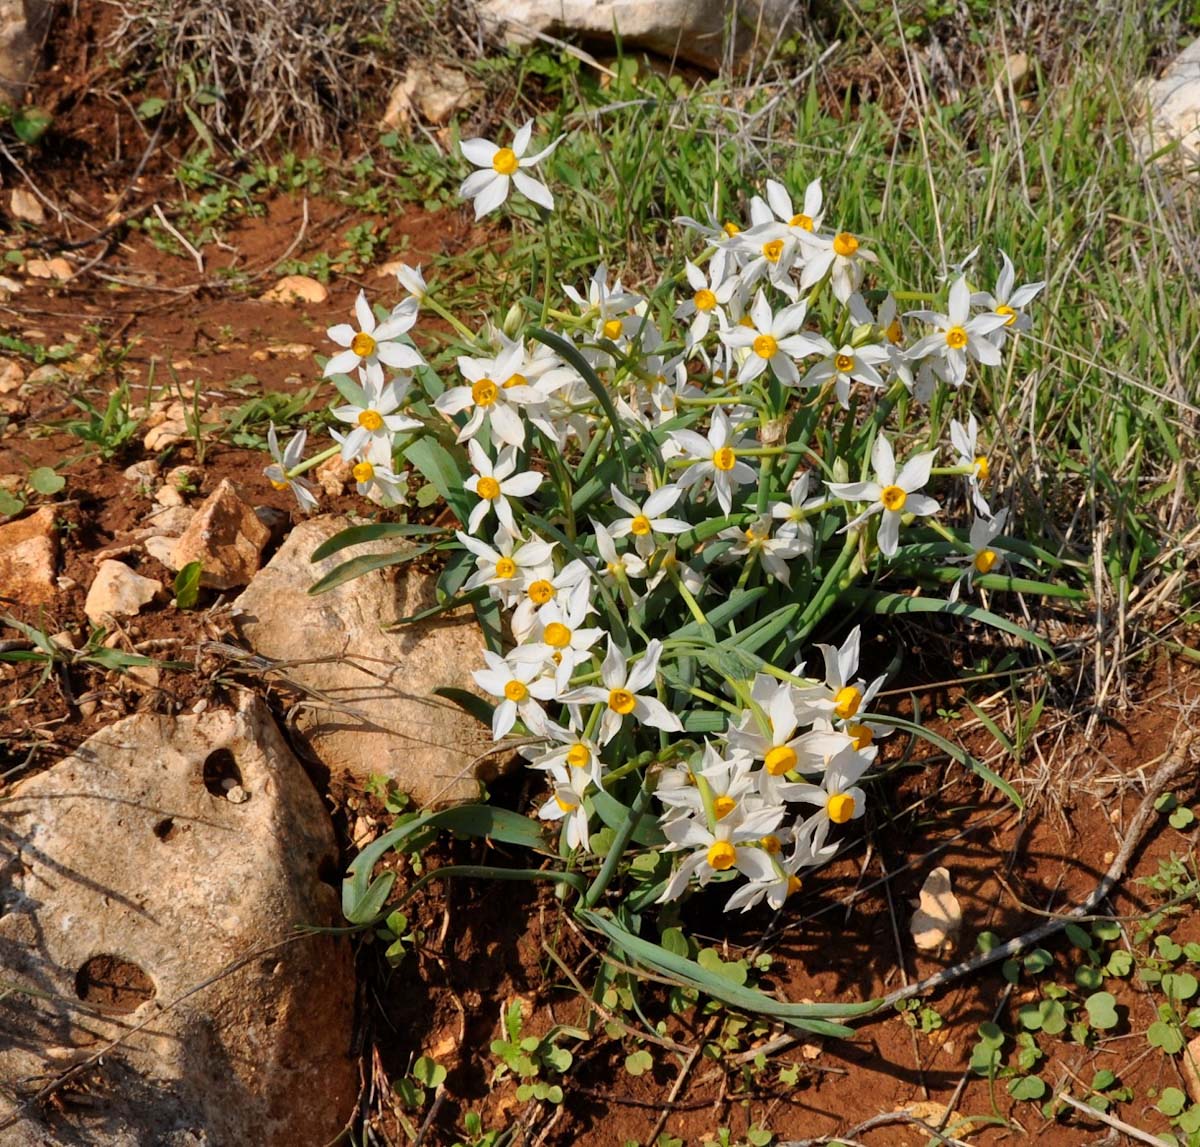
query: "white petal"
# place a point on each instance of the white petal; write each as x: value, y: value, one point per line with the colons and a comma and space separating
x: 492, y: 196
x: 480, y: 152
x: 532, y: 189
x: 884, y: 461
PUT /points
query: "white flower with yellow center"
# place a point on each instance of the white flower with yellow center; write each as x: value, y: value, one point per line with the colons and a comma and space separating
x: 846, y: 365
x: 566, y: 749
x: 503, y: 167
x: 838, y: 797
x: 379, y: 482
x: 891, y: 495
x: 494, y: 483
x: 374, y: 343
x: 794, y: 513
x: 771, y: 340
x: 520, y: 687
x: 986, y: 555
x: 374, y: 420
x: 411, y: 280
x: 560, y: 637
x: 785, y: 881
x: 611, y: 308
x: 842, y: 256
x: 728, y: 847
x: 566, y: 804
x: 1008, y: 301
x: 497, y: 392
x: 807, y: 221
x: 842, y: 697
x: 279, y: 470
x: 957, y: 335
x: 614, y: 568
x: 540, y: 588
x: 965, y: 440
x: 714, y: 457
x: 709, y: 294
x: 719, y: 787
x: 646, y: 520
x: 754, y: 541
x: 509, y: 565
x: 622, y: 693
x: 768, y: 249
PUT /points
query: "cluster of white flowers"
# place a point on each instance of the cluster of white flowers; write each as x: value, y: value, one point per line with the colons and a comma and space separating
x: 774, y: 317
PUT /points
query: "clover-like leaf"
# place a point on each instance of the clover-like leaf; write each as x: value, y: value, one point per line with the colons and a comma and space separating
x: 1101, y: 1008
x: 639, y: 1062
x: 1165, y: 1036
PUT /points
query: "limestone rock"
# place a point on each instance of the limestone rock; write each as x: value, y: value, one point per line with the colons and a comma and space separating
x: 28, y: 555
x: 296, y: 289
x: 693, y: 30
x: 128, y: 878
x: 938, y: 919
x: 1190, y: 1065
x: 1174, y: 104
x: 26, y: 206
x: 169, y: 521
x: 22, y: 27
x: 11, y: 375
x: 225, y: 537
x: 374, y: 710
x: 117, y: 591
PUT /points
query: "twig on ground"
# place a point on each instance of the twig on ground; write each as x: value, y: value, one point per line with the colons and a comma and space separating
x: 178, y: 236
x: 1111, y: 1121
x: 886, y: 1119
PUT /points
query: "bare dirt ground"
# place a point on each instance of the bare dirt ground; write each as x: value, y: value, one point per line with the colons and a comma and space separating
x: 140, y: 318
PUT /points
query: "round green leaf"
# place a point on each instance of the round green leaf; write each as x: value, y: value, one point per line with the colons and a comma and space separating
x: 1027, y: 1087
x: 45, y: 481
x: 1088, y: 978
x: 1038, y: 960
x: 1172, y: 1101
x: 1179, y: 986
x: 1165, y: 1036
x: 639, y: 1062
x: 1102, y: 1010
x: 29, y: 124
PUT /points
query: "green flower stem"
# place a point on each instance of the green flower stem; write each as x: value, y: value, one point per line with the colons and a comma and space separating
x: 637, y: 810
x: 946, y: 535
x: 315, y: 460
x: 827, y: 592
x: 942, y: 471
x: 442, y: 312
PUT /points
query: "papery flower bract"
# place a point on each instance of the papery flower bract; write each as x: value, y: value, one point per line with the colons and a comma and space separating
x: 622, y: 693
x: 278, y: 472
x: 957, y: 335
x: 520, y: 687
x: 892, y: 495
x: 773, y: 341
x: 502, y: 166
x: 713, y: 457
x: 374, y: 343
x: 374, y: 420
x: 495, y: 483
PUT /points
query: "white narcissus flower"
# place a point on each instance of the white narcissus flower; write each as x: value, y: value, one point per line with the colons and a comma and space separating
x: 965, y: 440
x: 838, y: 797
x: 498, y: 389
x: 566, y: 804
x: 520, y: 687
x: 615, y: 567
x: 646, y: 520
x: 565, y: 748
x: 380, y: 483
x: 754, y: 540
x: 1008, y: 301
x: 892, y: 495
x: 842, y: 256
x: 622, y: 693
x: 509, y: 565
x: 794, y: 512
x: 808, y: 220
x: 727, y: 779
x: 728, y: 846
x: 374, y: 343
x: 714, y: 457
x: 495, y: 483
x: 277, y: 473
x: 773, y: 341
x: 560, y: 636
x: 501, y: 167
x: 708, y: 295
x: 985, y: 553
x: 957, y: 335
x: 786, y: 879
x: 845, y: 365
x: 841, y: 696
x: 374, y: 420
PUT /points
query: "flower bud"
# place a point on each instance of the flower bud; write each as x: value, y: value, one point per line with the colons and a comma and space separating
x: 514, y: 320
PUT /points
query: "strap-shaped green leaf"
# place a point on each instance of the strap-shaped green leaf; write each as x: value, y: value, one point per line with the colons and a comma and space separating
x: 364, y: 564
x: 371, y: 532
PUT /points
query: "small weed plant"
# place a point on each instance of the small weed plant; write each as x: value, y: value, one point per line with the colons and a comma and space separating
x: 662, y: 497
